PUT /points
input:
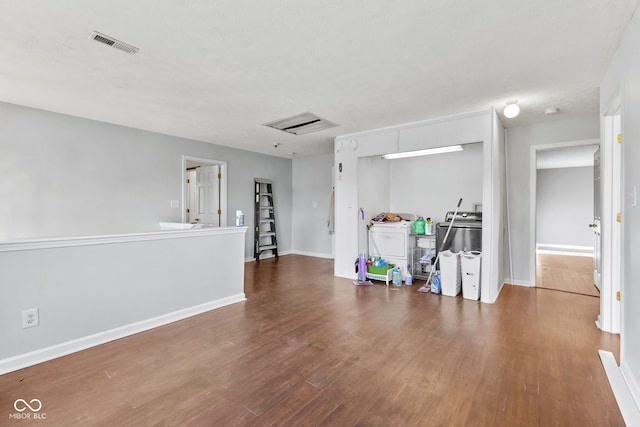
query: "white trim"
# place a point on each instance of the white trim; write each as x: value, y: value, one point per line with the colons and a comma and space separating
x: 632, y: 383
x: 429, y: 122
x: 42, y: 355
x: 524, y: 283
x: 611, y: 231
x: 313, y: 254
x: 562, y: 252
x: 621, y: 390
x: 507, y: 204
x: 573, y: 250
x: 280, y: 253
x: 64, y: 242
x: 492, y: 144
x: 533, y: 191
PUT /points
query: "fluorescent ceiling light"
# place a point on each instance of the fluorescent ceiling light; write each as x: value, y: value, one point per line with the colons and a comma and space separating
x: 427, y: 152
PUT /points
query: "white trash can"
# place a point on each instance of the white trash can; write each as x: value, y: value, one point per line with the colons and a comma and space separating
x: 450, y: 275
x: 470, y: 266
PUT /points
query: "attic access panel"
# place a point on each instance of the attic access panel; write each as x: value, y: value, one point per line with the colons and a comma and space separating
x: 301, y: 124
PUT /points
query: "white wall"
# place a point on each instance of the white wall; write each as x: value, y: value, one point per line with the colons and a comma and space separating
x: 374, y: 196
x: 519, y: 141
x: 564, y: 206
x: 623, y: 78
x: 312, y: 184
x: 66, y: 176
x: 496, y: 169
x: 94, y: 290
x: 431, y: 186
x: 347, y: 152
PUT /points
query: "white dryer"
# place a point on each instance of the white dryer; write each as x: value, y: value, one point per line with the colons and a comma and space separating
x: 392, y: 241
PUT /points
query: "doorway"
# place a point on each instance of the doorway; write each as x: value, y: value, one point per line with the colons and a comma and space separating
x: 204, y: 191
x: 564, y: 238
x: 610, y: 187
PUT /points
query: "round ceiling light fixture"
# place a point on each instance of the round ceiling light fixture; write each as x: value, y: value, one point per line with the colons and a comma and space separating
x: 511, y: 110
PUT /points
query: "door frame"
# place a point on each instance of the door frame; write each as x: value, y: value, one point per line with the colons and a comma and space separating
x: 223, y: 185
x: 190, y: 180
x: 609, y: 319
x: 533, y: 176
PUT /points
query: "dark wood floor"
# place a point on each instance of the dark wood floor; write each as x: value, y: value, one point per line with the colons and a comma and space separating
x: 311, y: 349
x: 566, y: 273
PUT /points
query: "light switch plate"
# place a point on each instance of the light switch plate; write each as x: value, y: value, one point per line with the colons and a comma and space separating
x: 175, y: 204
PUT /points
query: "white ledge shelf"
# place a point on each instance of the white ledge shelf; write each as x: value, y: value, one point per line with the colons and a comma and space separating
x: 63, y: 242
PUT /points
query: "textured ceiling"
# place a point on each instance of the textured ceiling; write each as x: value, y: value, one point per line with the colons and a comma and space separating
x: 215, y: 71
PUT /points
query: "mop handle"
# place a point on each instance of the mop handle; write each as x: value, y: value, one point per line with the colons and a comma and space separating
x: 455, y: 213
x: 433, y: 266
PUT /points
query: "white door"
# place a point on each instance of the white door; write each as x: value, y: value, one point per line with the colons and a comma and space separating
x: 597, y: 237
x: 208, y: 185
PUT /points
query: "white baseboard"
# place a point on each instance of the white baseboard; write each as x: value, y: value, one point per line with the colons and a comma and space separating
x: 525, y: 283
x: 621, y: 389
x: 632, y: 383
x: 314, y: 254
x: 53, y: 352
x: 572, y: 250
x: 280, y: 253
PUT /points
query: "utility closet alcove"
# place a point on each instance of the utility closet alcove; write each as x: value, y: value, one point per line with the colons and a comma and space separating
x: 428, y: 186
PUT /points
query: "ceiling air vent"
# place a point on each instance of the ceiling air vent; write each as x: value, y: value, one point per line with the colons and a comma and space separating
x: 110, y: 41
x: 301, y: 124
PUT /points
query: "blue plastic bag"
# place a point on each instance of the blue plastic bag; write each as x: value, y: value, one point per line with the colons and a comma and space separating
x: 435, y: 283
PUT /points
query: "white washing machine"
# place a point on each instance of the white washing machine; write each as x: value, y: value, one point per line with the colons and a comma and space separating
x: 392, y: 242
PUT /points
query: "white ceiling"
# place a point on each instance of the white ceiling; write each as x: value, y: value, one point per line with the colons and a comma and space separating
x: 216, y: 71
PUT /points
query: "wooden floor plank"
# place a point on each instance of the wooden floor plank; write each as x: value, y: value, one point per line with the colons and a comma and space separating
x: 308, y: 348
x: 566, y: 273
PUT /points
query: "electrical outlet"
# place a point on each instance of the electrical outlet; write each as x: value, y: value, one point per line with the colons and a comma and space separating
x: 175, y: 204
x: 30, y: 318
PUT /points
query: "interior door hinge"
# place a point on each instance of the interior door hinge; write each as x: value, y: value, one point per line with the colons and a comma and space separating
x: 219, y: 211
x: 219, y: 175
x: 619, y: 217
x: 619, y: 138
x: 618, y: 296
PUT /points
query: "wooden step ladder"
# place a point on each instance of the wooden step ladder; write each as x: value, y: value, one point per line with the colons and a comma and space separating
x: 265, y: 237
